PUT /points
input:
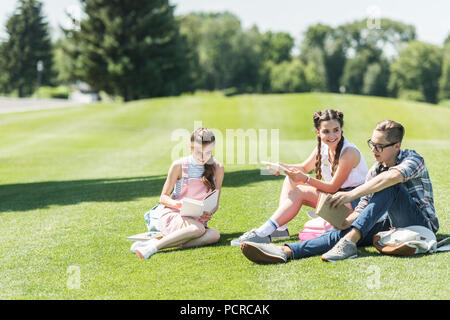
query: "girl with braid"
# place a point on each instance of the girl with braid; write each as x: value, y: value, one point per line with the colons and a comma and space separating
x: 193, y: 177
x: 338, y: 166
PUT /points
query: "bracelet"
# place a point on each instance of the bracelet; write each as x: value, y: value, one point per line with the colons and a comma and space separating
x: 307, y: 179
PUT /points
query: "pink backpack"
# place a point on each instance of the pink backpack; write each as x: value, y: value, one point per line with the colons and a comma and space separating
x: 314, y: 228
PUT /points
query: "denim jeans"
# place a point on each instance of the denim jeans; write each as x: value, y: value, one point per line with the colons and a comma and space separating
x: 395, y: 200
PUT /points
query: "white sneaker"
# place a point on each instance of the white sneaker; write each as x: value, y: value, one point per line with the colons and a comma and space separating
x: 249, y: 236
x: 137, y: 244
x: 147, y: 250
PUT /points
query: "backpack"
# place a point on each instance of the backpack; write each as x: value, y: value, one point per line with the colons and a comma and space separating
x: 314, y: 228
x: 152, y: 216
x: 409, y: 241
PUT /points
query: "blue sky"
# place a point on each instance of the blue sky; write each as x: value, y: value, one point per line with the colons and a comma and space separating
x: 431, y: 18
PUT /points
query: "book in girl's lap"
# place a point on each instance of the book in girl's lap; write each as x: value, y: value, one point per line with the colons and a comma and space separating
x: 192, y: 177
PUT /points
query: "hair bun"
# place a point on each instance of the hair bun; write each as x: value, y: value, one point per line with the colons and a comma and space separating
x: 317, y: 114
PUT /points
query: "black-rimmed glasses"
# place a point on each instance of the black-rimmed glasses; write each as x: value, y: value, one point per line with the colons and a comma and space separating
x: 378, y: 147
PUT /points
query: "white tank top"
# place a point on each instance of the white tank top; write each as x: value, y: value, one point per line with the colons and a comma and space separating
x: 358, y: 174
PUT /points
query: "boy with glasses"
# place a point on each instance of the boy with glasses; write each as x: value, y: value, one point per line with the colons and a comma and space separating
x: 397, y: 193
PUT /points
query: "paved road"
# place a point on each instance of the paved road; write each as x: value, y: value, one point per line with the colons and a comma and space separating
x: 9, y: 105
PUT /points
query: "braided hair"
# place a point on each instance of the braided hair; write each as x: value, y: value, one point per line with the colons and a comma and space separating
x: 318, y: 117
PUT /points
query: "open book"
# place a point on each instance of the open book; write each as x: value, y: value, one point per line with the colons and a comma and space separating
x: 275, y: 167
x: 145, y: 236
x: 335, y: 216
x: 195, y: 208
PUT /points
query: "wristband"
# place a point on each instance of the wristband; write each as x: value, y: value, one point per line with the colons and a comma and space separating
x: 307, y: 179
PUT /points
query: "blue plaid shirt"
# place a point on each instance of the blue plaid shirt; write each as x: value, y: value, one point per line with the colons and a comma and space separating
x: 416, y: 179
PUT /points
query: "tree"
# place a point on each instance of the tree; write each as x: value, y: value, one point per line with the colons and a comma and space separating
x: 217, y: 50
x: 289, y: 76
x: 323, y: 45
x: 368, y: 47
x: 130, y: 48
x: 212, y: 37
x: 418, y: 68
x: 225, y: 56
x: 247, y: 61
x: 277, y: 46
x: 345, y: 52
x: 354, y: 70
x: 376, y: 79
x: 447, y: 40
x: 315, y: 77
x: 65, y: 66
x: 191, y: 29
x: 27, y: 46
x: 361, y: 37
x: 444, y: 83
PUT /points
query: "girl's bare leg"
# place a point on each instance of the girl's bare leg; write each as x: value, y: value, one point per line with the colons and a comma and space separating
x: 192, y: 229
x: 211, y: 236
x: 292, y: 204
x: 287, y: 188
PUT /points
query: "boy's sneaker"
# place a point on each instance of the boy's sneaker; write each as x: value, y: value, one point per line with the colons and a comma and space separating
x: 249, y: 236
x: 280, y: 234
x: 263, y: 252
x: 344, y: 249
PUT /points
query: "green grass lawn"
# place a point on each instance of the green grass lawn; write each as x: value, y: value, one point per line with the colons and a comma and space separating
x: 75, y: 182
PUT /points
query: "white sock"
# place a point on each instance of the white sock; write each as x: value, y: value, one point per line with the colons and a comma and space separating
x: 149, y: 249
x: 282, y: 228
x: 267, y: 228
x: 136, y: 245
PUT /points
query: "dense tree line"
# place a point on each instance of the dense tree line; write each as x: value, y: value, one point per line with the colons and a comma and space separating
x: 26, y: 51
x: 138, y: 49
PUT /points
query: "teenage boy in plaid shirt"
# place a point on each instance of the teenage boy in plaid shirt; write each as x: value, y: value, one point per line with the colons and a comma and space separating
x: 397, y: 192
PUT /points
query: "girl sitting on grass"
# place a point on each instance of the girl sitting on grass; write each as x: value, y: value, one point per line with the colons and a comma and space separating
x: 335, y: 159
x: 193, y: 177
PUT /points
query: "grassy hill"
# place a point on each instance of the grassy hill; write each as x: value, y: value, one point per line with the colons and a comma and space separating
x: 75, y: 182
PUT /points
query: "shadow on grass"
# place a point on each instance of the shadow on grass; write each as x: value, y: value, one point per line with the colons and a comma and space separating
x: 38, y: 195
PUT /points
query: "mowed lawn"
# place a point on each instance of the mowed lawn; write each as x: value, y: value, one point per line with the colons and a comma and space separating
x: 75, y: 182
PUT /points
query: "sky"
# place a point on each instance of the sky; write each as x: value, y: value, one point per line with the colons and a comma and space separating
x: 431, y: 18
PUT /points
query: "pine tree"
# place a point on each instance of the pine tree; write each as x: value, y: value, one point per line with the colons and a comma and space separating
x: 130, y: 48
x: 27, y: 46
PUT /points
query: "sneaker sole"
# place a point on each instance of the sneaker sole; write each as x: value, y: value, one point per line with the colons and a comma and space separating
x: 336, y: 260
x: 256, y: 255
x: 281, y: 237
x: 235, y: 244
x: 238, y: 244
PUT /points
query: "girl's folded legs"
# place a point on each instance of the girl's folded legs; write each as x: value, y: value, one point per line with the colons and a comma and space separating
x: 192, y: 229
x: 210, y: 236
x: 289, y: 208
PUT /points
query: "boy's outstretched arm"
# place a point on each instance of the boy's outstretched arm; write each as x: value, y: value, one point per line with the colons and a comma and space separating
x: 378, y: 183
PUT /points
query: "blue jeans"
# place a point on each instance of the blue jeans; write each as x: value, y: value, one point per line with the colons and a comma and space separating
x: 401, y: 210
